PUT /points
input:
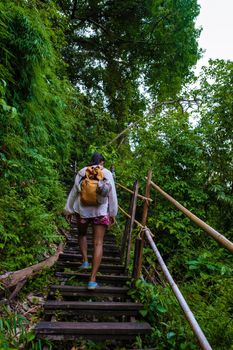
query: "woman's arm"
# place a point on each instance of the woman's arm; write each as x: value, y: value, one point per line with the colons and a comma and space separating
x: 69, y: 207
x: 112, y: 197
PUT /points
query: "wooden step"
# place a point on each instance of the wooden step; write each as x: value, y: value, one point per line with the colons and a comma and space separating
x: 93, y: 308
x: 107, y: 246
x: 106, y: 268
x: 76, y: 291
x: 109, y: 240
x: 91, y: 330
x: 90, y: 242
x: 73, y: 235
x: 69, y: 256
x: 107, y: 279
x: 106, y: 252
x: 90, y: 248
x: 89, y: 231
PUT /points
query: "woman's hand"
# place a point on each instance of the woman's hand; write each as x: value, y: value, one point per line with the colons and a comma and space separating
x: 112, y: 221
x: 68, y: 217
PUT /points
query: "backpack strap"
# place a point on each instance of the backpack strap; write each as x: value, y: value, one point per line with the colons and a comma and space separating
x: 94, y: 173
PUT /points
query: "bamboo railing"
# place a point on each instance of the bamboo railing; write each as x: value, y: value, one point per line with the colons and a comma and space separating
x: 207, y: 228
x: 179, y: 296
x: 146, y: 233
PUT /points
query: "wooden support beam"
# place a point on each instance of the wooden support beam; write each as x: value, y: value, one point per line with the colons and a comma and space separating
x: 126, y: 232
x: 131, y: 223
x: 17, y: 289
x: 138, y: 269
x: 136, y: 256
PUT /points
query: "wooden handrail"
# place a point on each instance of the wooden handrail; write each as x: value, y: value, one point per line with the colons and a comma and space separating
x: 186, y: 309
x: 208, y: 229
x: 129, y: 216
x: 130, y: 191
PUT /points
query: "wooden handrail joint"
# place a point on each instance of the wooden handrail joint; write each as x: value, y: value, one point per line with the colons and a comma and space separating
x: 130, y: 191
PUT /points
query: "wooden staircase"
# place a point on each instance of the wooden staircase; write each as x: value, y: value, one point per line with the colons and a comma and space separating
x: 72, y: 312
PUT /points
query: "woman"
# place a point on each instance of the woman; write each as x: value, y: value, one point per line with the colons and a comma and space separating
x: 100, y: 216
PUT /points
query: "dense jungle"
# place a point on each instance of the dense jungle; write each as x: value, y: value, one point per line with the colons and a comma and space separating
x: 117, y: 77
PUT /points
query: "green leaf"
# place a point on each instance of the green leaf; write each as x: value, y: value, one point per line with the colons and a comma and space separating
x: 171, y: 335
x: 143, y: 312
x: 161, y: 308
x: 30, y: 336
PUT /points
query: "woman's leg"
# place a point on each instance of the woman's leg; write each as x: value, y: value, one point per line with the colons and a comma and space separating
x: 98, y: 232
x: 82, y: 240
x: 82, y: 236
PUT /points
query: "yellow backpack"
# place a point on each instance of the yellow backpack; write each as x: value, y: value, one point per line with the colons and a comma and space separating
x: 89, y: 186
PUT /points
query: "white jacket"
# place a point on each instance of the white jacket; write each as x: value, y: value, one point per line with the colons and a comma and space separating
x: 74, y: 205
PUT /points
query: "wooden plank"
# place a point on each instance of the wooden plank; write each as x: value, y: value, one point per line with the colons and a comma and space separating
x: 70, y: 256
x: 107, y: 238
x: 90, y: 238
x: 94, y: 328
x: 82, y: 305
x: 93, y: 337
x: 103, y: 267
x: 77, y: 308
x: 106, y: 252
x: 107, y: 246
x: 111, y: 279
x: 75, y: 291
x: 97, y: 314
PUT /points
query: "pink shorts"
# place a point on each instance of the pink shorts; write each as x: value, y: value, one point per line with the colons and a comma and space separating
x: 98, y: 220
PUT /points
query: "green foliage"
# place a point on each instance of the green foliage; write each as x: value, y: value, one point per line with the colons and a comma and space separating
x: 39, y: 283
x: 170, y: 328
x: 35, y: 135
x: 159, y: 303
x: 216, y: 129
x: 15, y: 332
x: 115, y: 47
x: 193, y: 164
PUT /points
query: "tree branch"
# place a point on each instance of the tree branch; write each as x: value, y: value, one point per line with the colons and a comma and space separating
x: 131, y: 125
x: 13, y: 278
x: 175, y: 102
x: 74, y: 9
x: 62, y: 7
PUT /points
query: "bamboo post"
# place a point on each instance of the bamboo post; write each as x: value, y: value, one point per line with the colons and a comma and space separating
x: 125, y: 235
x: 136, y: 256
x: 127, y: 226
x: 138, y: 267
x: 131, y: 223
